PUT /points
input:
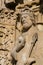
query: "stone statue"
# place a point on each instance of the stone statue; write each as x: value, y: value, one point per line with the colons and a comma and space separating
x: 25, y: 51
x: 21, y: 28
x: 24, y: 45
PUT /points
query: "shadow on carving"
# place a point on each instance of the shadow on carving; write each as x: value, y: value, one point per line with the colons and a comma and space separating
x: 11, y: 5
x: 13, y: 61
x: 41, y: 6
x: 19, y: 1
x: 33, y: 62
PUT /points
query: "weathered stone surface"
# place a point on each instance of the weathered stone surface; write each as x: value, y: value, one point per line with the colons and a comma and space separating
x: 7, y: 35
x: 30, y: 2
x: 9, y: 1
x: 2, y: 5
x: 21, y: 32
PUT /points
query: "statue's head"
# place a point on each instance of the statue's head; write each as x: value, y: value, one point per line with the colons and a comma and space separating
x: 26, y: 18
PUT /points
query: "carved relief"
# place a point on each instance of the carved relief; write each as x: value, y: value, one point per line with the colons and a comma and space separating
x: 7, y: 35
x: 24, y: 45
x: 20, y: 23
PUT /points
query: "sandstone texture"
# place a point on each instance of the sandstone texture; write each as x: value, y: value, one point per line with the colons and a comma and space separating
x: 21, y: 32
